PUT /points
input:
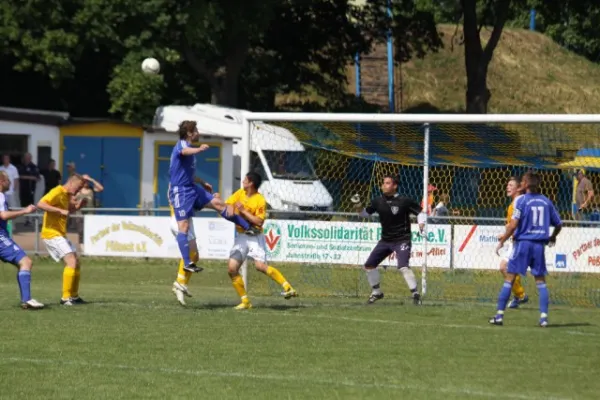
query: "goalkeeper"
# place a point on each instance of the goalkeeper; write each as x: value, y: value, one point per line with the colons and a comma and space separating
x: 394, y: 214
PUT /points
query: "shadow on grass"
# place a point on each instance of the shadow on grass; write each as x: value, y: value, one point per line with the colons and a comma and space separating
x: 569, y: 325
x: 276, y: 307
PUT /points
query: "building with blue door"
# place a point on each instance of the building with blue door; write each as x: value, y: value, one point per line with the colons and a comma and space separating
x: 110, y: 152
x: 214, y: 165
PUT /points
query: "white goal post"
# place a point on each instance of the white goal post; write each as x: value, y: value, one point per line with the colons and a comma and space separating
x: 426, y: 121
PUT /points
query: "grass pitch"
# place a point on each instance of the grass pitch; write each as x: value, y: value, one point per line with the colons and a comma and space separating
x: 135, y: 341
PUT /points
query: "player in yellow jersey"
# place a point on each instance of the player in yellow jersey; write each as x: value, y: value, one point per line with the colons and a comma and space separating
x: 513, y: 189
x: 57, y: 204
x: 251, y: 205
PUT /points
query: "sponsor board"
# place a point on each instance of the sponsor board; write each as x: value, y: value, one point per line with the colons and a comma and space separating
x: 347, y: 242
x: 576, y: 249
x: 140, y: 236
x: 320, y: 242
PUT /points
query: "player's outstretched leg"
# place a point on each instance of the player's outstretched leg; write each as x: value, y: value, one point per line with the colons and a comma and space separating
x: 228, y: 213
x: 24, y: 281
x: 503, y: 298
x: 277, y: 276
x: 540, y: 282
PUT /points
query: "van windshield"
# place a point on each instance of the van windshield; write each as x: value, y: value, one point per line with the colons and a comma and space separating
x: 289, y: 165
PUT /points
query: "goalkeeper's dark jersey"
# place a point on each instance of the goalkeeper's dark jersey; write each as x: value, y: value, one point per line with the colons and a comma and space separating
x: 394, y: 216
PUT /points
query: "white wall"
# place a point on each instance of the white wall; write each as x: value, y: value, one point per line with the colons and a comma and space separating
x: 38, y: 135
x: 148, y: 163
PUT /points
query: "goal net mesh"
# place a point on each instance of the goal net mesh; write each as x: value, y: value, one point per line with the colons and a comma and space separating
x: 314, y: 234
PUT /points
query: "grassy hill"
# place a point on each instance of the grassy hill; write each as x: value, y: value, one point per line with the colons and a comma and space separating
x: 529, y: 73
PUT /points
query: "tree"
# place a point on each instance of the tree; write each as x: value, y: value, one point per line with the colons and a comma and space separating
x: 477, y: 56
x: 573, y: 24
x: 413, y: 29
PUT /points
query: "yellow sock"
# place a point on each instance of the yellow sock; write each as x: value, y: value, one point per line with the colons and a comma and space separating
x: 238, y: 285
x: 68, y: 282
x: 183, y: 276
x: 75, y: 290
x: 274, y: 274
x: 517, y: 288
x: 195, y: 258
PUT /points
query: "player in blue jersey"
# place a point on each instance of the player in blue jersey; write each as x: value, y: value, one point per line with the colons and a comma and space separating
x: 10, y: 252
x: 185, y: 196
x: 529, y: 227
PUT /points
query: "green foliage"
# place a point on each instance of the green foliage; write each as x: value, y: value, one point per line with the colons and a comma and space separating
x: 238, y: 53
x: 574, y: 24
x: 412, y: 27
x: 135, y: 95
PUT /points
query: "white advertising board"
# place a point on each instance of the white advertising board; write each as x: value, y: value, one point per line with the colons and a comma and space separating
x: 576, y: 249
x: 141, y: 236
x: 347, y: 243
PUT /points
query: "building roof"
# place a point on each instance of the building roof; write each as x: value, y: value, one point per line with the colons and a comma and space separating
x: 41, y: 117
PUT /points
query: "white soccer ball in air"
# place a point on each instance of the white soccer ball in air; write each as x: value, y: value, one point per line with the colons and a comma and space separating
x: 355, y: 199
x: 151, y: 66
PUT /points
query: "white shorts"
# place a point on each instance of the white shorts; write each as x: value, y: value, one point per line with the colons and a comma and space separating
x: 247, y: 246
x: 175, y: 228
x: 59, y: 247
x: 506, y: 251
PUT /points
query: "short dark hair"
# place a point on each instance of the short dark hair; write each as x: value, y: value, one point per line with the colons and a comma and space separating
x: 186, y: 127
x: 514, y: 178
x: 255, y: 178
x: 52, y: 160
x: 533, y: 181
x: 394, y: 179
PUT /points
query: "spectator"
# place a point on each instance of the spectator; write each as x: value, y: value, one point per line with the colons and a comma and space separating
x: 86, y: 194
x: 71, y: 169
x: 13, y: 176
x: 52, y: 177
x: 29, y: 174
x: 441, y: 209
x: 430, y: 190
x: 583, y: 196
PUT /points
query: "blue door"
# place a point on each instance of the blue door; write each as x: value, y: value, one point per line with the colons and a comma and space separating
x: 85, y: 152
x: 121, y: 172
x: 208, y: 166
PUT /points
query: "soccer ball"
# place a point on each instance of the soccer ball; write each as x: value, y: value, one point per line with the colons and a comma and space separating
x: 151, y: 66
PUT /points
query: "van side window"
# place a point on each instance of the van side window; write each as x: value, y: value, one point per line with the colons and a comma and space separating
x: 256, y: 165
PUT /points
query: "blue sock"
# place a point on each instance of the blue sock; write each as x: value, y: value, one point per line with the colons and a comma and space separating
x: 184, y: 247
x: 544, y: 297
x: 236, y: 219
x: 24, y: 279
x: 504, y: 296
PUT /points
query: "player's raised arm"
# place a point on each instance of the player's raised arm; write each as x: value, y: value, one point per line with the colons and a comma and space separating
x: 362, y: 211
x: 187, y: 150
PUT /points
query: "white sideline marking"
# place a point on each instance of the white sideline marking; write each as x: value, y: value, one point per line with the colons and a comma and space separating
x: 287, y: 378
x: 425, y: 324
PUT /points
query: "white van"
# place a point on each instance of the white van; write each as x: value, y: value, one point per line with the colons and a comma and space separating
x: 289, y: 179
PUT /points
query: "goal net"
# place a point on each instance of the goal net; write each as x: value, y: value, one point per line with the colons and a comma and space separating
x: 313, y: 164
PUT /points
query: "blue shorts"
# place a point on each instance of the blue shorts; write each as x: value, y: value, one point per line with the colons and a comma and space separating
x: 528, y: 254
x: 10, y: 252
x: 186, y: 199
